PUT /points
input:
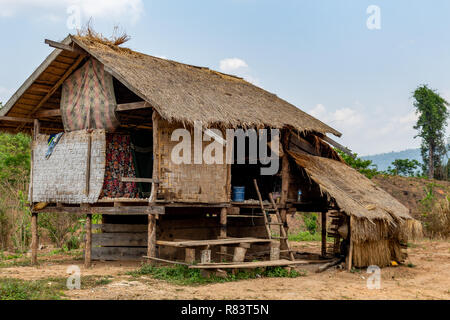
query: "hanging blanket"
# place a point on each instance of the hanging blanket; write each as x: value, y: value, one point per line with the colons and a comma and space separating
x: 88, y: 100
x: 119, y: 163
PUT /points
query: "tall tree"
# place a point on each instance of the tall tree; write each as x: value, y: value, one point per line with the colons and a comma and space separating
x: 433, y: 114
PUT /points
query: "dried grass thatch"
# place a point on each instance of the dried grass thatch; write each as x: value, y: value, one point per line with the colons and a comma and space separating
x: 185, y: 93
x: 118, y: 37
x: 379, y: 222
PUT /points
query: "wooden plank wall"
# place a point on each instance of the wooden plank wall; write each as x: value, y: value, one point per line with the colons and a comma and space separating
x: 125, y: 237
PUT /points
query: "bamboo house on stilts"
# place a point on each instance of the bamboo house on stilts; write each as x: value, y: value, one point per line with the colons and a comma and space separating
x: 103, y: 120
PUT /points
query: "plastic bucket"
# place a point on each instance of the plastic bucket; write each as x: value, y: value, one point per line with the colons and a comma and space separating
x: 238, y: 194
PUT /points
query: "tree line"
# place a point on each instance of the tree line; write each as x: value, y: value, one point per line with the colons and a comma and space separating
x: 432, y: 112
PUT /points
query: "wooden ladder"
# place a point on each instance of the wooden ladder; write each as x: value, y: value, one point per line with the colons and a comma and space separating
x: 274, y: 210
x: 336, y: 221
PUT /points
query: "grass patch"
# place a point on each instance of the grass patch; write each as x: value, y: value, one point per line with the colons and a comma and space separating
x: 182, y: 275
x: 15, y: 263
x: 305, y: 236
x: 44, y: 289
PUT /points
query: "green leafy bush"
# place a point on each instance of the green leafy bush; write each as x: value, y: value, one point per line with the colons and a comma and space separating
x: 366, y: 167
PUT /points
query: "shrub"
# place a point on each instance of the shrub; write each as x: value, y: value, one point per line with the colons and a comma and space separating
x: 366, y: 167
x: 15, y: 216
x: 64, y: 230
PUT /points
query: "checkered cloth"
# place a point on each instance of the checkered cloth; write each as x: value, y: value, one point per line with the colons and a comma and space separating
x: 88, y: 100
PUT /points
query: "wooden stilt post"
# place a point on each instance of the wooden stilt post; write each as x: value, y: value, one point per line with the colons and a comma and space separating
x: 275, y: 251
x: 324, y: 233
x: 189, y: 255
x: 223, y: 230
x: 34, y: 215
x: 151, y: 243
x: 350, y: 250
x: 88, y: 244
x: 34, y: 238
x: 284, y: 189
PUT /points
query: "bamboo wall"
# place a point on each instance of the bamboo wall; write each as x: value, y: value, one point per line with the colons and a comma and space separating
x: 202, y: 183
x: 62, y: 177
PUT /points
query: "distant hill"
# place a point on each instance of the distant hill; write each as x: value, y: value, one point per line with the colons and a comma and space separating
x: 384, y: 160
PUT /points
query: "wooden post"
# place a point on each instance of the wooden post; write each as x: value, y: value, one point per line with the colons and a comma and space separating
x: 151, y: 243
x: 34, y: 215
x: 34, y: 238
x: 284, y: 188
x: 223, y: 230
x: 37, y: 128
x: 239, y: 252
x: 324, y: 233
x: 156, y: 152
x: 350, y: 250
x: 189, y: 255
x: 88, y: 164
x: 275, y: 251
x: 88, y: 245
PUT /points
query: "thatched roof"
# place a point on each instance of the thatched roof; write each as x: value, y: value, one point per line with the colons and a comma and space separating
x: 377, y: 215
x: 186, y: 93
x: 177, y: 91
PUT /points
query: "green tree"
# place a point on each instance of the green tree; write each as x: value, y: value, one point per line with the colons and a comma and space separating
x: 366, y: 167
x: 432, y: 111
x: 14, y: 157
x: 403, y: 167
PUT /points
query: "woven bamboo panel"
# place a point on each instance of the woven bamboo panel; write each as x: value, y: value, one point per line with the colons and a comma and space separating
x: 204, y: 183
x: 62, y: 177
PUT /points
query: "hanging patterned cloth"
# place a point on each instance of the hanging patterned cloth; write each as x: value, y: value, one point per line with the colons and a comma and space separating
x: 88, y: 100
x: 119, y: 164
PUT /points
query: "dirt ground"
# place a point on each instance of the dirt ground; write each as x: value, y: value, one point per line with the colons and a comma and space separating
x: 429, y: 278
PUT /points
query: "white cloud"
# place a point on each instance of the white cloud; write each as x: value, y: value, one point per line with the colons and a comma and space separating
x: 410, y: 118
x: 130, y: 10
x: 238, y: 67
x: 341, y: 118
x: 367, y: 131
x: 232, y: 64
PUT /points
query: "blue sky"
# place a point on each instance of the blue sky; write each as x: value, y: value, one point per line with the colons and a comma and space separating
x: 318, y: 55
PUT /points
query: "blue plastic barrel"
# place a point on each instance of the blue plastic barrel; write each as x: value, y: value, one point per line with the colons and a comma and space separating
x: 238, y: 194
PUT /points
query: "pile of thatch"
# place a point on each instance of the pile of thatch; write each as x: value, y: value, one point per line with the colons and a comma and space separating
x: 379, y: 222
x: 185, y: 93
